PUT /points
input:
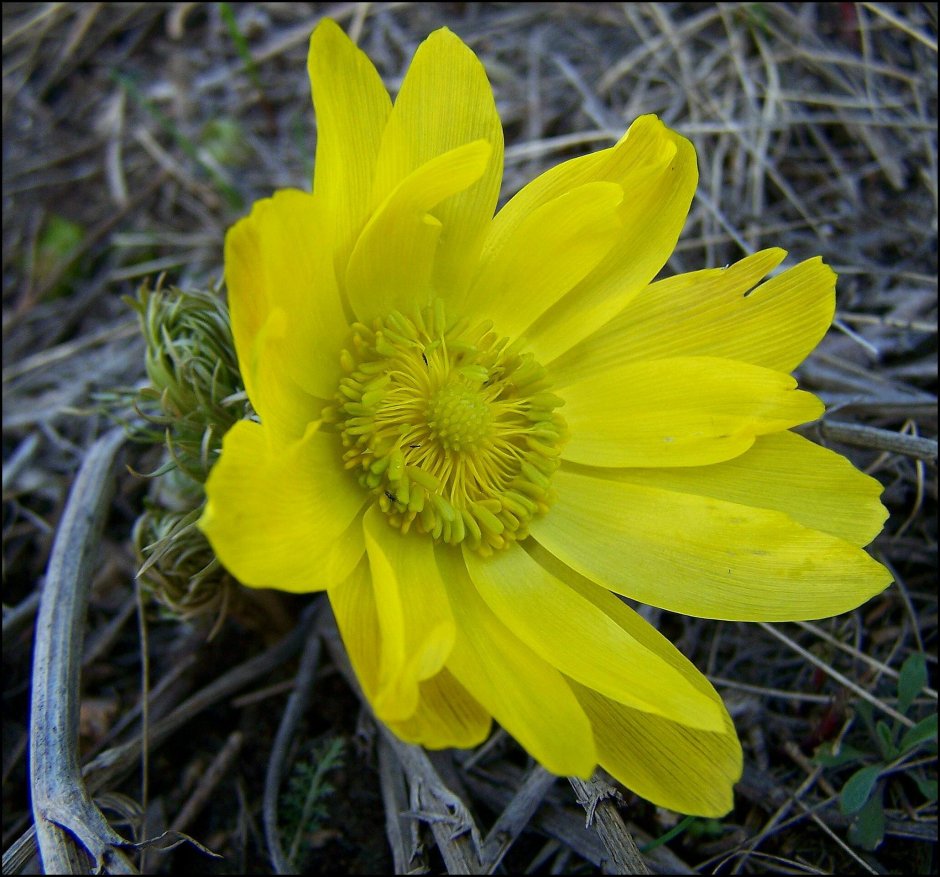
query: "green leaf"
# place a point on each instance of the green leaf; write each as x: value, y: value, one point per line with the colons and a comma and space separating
x: 865, y: 711
x: 707, y: 828
x: 923, y: 732
x: 224, y: 139
x: 928, y: 787
x: 846, y: 755
x: 885, y: 736
x: 912, y: 679
x: 868, y: 829
x: 858, y: 788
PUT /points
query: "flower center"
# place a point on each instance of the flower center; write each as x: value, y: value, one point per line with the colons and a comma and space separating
x: 458, y: 416
x: 452, y: 429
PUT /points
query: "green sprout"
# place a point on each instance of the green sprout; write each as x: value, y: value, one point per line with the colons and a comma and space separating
x: 893, y: 751
x: 304, y: 801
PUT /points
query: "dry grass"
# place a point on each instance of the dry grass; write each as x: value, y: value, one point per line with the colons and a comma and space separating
x: 134, y: 134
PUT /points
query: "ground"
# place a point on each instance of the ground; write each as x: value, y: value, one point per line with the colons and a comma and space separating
x: 134, y: 135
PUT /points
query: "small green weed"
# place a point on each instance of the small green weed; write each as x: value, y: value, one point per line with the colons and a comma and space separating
x: 896, y: 751
x: 304, y: 804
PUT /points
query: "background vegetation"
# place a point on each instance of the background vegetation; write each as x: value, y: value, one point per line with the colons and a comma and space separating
x: 135, y: 134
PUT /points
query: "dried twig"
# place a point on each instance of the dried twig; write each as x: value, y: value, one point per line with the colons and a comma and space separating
x: 881, y: 439
x: 399, y: 829
x: 835, y: 674
x: 514, y: 819
x: 208, y: 781
x: 67, y: 821
x: 594, y: 795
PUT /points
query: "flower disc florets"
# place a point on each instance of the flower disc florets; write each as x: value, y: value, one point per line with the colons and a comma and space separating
x: 453, y: 429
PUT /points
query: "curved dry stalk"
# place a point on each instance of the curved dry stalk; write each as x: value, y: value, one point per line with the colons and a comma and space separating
x: 67, y: 820
x: 109, y: 766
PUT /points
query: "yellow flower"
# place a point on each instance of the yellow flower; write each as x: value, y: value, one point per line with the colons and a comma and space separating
x: 475, y: 431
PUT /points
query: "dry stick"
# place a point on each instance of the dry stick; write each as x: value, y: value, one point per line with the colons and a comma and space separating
x: 880, y: 439
x: 929, y: 41
x: 516, y: 816
x: 19, y: 618
x: 861, y: 656
x: 811, y: 769
x: 65, y: 350
x: 66, y: 817
x: 594, y: 795
x: 293, y: 712
x: 113, y: 763
x: 11, y: 468
x: 144, y: 712
x: 101, y: 643
x: 181, y: 668
x: 835, y: 674
x: 559, y: 823
x: 94, y: 236
x: 777, y: 817
x: 395, y: 801
x: 210, y: 779
x: 453, y: 827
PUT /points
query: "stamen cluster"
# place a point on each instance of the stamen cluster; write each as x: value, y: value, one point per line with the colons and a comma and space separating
x: 453, y: 429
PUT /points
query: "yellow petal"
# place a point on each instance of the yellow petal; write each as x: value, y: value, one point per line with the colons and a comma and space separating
x: 352, y: 107
x: 631, y: 623
x: 392, y: 264
x: 415, y: 620
x: 818, y: 488
x: 283, y: 517
x: 581, y: 639
x: 285, y: 409
x: 687, y: 411
x: 643, y: 146
x: 353, y: 604
x: 445, y: 102
x: 656, y: 169
x: 545, y: 256
x: 703, y: 556
x: 674, y: 766
x: 723, y: 312
x: 278, y: 259
x: 446, y: 716
x: 526, y: 695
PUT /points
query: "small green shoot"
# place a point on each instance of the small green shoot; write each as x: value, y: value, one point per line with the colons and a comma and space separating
x: 696, y: 826
x: 895, y: 747
x: 241, y: 44
x: 304, y: 804
x: 58, y: 244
